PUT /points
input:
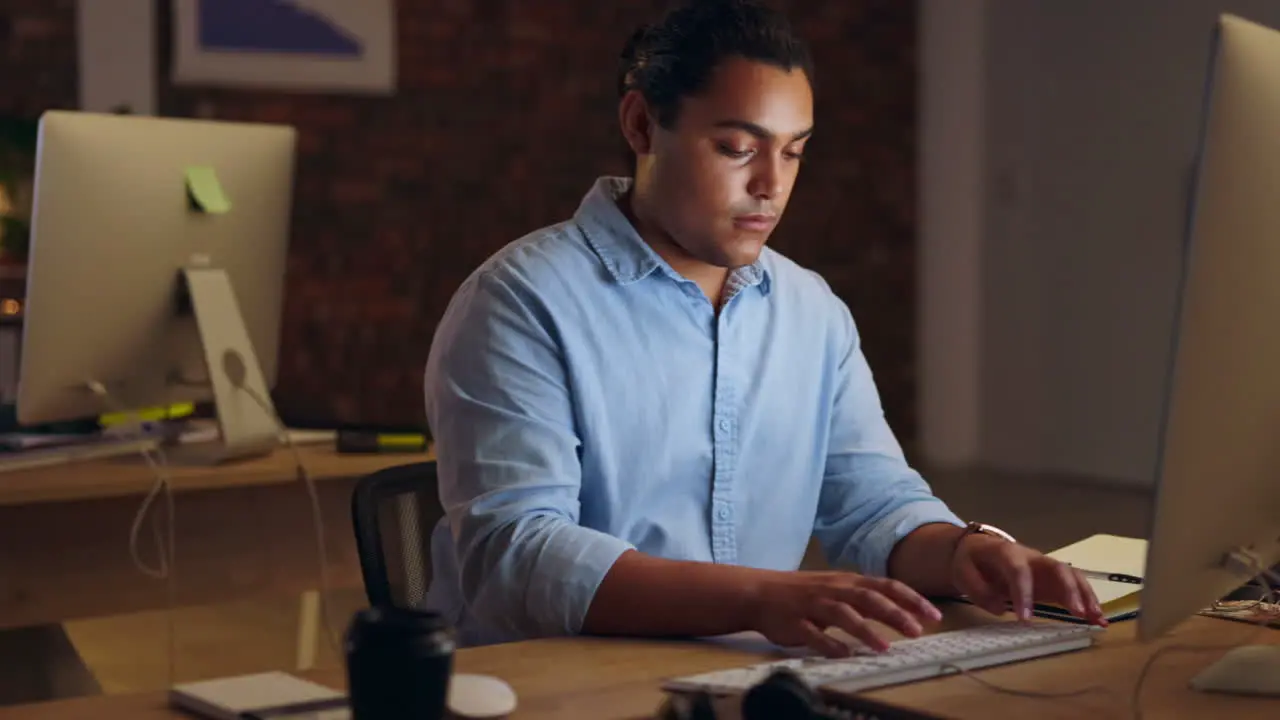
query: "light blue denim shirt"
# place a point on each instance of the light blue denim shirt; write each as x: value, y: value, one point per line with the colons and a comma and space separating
x: 586, y: 399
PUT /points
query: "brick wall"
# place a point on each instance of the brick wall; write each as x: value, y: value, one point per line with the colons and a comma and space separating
x: 505, y: 114
x: 37, y: 56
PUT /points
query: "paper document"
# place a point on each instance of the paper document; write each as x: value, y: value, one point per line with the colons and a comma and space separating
x: 1109, y: 554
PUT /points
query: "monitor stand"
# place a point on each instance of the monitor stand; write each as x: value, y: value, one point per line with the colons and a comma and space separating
x: 1245, y: 669
x: 247, y: 420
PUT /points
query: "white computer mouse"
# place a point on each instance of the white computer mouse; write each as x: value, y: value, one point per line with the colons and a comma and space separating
x: 477, y: 697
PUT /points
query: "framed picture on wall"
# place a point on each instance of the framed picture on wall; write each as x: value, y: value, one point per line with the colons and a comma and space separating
x: 295, y: 45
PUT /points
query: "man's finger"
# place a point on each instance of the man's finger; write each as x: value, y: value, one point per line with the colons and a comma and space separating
x: 838, y: 614
x: 1087, y: 595
x: 1093, y: 610
x: 902, y: 594
x: 822, y: 642
x: 1017, y: 577
x: 870, y: 603
x: 1066, y: 589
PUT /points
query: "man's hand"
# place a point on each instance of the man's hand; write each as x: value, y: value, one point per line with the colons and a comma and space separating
x: 994, y: 573
x: 651, y: 596
x: 795, y: 608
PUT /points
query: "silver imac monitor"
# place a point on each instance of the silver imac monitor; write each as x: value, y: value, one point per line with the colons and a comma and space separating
x: 1216, y: 517
x: 156, y: 271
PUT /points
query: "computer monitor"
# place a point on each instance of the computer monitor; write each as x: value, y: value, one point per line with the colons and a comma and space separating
x: 156, y: 270
x: 1217, y: 499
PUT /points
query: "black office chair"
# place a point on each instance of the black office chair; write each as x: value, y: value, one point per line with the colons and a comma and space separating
x: 394, y: 511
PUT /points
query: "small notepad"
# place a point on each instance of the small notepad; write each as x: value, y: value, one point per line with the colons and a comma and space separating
x: 274, y: 695
x: 1109, y: 554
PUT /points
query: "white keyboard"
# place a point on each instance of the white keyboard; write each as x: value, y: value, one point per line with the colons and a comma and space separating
x: 906, y: 660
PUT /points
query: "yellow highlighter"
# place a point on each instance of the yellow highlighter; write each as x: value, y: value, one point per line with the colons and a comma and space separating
x: 364, y: 441
x: 151, y: 414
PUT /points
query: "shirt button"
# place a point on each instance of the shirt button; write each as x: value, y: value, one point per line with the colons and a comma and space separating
x: 723, y: 512
x: 725, y: 424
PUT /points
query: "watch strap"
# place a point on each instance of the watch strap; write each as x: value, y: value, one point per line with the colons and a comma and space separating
x: 977, y: 528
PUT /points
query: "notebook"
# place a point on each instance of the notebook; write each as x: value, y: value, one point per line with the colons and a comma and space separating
x: 1108, y: 554
x: 263, y: 696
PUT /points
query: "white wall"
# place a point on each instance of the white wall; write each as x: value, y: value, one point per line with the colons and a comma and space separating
x: 1090, y: 111
x: 951, y: 183
x: 117, y: 55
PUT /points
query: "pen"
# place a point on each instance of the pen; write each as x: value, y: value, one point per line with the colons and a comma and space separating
x: 1114, y: 577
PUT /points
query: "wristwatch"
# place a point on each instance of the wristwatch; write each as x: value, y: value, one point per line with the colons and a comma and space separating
x: 977, y: 528
x: 985, y: 529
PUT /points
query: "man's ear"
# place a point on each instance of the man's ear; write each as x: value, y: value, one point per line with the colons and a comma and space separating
x: 636, y: 121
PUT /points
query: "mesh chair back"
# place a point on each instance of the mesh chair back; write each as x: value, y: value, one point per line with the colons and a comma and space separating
x: 394, y: 511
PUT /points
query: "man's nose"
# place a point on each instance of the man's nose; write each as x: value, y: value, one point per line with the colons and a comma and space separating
x: 766, y: 181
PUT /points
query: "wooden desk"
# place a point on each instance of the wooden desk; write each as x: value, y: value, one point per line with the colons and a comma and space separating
x: 243, y: 530
x: 615, y: 679
x: 130, y: 475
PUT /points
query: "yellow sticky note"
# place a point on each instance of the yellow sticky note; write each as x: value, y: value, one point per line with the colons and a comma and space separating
x: 205, y: 190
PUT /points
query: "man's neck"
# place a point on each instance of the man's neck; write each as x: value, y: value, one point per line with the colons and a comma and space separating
x: 710, y: 278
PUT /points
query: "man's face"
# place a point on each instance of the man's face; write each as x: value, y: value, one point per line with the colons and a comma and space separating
x: 721, y: 177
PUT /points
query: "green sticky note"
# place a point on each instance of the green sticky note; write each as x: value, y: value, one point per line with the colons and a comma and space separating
x: 205, y: 191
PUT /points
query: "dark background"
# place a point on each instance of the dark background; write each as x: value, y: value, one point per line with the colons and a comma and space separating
x: 504, y: 115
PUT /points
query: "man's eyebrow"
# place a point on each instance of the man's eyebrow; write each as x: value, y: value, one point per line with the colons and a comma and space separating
x: 759, y: 131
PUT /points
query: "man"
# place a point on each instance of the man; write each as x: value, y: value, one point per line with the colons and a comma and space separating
x: 642, y: 414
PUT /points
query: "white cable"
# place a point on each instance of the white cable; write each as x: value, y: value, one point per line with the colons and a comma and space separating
x: 166, y: 546
x: 160, y: 484
x: 171, y: 582
x: 1038, y: 694
x: 167, y: 550
x: 316, y: 517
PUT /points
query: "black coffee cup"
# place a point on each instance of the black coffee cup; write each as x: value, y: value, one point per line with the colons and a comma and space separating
x: 398, y: 664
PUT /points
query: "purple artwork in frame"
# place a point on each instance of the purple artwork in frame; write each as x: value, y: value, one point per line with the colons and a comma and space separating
x: 302, y: 45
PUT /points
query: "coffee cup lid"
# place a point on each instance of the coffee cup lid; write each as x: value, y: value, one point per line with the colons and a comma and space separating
x: 398, y: 620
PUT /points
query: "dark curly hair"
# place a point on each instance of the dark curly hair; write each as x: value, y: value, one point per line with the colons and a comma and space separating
x: 675, y: 58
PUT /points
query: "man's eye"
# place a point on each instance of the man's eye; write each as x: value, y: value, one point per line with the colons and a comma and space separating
x: 729, y: 151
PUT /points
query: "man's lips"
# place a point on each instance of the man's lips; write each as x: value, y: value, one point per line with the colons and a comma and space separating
x: 755, y: 222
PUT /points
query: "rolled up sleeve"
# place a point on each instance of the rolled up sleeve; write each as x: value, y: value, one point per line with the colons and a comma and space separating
x: 502, y: 418
x: 871, y: 498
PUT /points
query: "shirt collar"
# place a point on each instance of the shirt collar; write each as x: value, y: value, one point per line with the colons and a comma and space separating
x: 624, y: 254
